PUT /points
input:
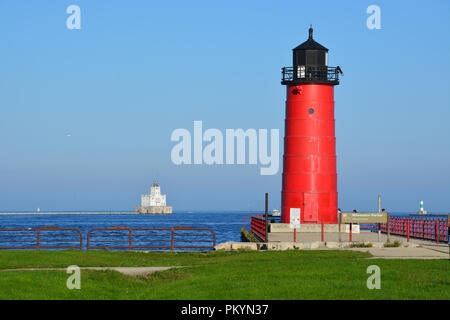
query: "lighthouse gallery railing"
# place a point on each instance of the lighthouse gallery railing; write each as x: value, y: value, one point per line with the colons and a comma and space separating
x: 310, y: 73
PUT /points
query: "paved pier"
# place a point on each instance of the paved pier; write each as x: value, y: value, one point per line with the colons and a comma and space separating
x: 363, y: 236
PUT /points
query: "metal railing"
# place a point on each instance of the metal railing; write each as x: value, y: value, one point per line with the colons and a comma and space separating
x: 258, y: 227
x: 420, y: 228
x: 158, y: 239
x: 306, y: 74
x: 41, y: 238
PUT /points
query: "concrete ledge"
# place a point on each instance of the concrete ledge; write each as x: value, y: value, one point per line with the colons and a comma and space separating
x: 313, y: 228
x: 314, y: 245
x: 229, y: 246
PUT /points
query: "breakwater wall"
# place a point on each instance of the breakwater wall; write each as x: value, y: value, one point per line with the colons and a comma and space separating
x: 62, y: 212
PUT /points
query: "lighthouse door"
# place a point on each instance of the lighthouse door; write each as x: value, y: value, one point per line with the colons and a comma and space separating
x: 310, y: 207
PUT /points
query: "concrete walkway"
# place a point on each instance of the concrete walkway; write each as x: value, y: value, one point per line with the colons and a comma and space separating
x: 427, y: 249
x: 363, y: 236
x: 129, y: 271
x: 403, y: 253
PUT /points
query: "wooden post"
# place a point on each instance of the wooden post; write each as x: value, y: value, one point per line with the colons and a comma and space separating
x: 295, y: 235
x: 351, y: 224
x: 379, y: 225
x: 379, y: 232
x: 267, y: 218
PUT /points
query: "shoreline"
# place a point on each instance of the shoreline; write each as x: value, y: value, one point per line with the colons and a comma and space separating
x: 60, y: 213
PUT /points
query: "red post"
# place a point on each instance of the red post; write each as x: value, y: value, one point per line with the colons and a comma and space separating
x: 295, y: 235
x: 407, y: 231
x: 421, y: 229
x: 437, y: 231
x: 388, y: 227
x: 322, y: 230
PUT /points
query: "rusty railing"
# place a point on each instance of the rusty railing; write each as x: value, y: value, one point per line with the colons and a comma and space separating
x: 40, y: 238
x: 158, y: 239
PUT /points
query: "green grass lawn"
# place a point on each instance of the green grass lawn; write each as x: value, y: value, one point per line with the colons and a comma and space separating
x: 224, y: 275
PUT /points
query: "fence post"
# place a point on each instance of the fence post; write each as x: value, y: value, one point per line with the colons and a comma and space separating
x: 38, y: 239
x: 129, y: 244
x: 388, y: 227
x: 407, y: 230
x: 171, y: 241
x: 437, y: 230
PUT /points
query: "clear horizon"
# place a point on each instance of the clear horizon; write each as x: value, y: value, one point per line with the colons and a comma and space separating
x: 86, y: 115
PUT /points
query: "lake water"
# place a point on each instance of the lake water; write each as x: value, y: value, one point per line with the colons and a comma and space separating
x: 226, y: 225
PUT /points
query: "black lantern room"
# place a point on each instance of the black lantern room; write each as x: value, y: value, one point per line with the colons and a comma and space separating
x: 310, y: 65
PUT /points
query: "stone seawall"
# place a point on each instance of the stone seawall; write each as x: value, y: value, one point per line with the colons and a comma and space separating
x: 56, y: 213
x: 154, y: 210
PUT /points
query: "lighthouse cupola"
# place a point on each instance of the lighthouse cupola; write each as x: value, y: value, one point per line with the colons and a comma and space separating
x: 310, y: 64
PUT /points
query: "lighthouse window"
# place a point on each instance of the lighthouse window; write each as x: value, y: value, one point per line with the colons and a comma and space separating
x: 300, y: 71
x: 311, y: 111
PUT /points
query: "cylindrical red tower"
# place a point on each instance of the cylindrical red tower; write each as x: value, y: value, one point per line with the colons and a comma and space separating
x: 309, y: 161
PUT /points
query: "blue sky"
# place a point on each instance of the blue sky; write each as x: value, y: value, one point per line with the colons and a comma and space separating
x: 137, y: 70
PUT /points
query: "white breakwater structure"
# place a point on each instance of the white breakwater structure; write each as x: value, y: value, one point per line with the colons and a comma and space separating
x: 154, y: 203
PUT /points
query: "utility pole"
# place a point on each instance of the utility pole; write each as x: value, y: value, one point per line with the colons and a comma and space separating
x: 267, y: 217
x: 379, y: 224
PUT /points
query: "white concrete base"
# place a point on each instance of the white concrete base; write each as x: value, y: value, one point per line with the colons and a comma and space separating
x: 315, y: 245
x: 316, y: 228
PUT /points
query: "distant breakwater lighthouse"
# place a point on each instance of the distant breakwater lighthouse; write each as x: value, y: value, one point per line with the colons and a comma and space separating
x: 154, y: 203
x: 309, y: 160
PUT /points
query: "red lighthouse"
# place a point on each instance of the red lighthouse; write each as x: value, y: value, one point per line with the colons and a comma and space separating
x: 309, y: 160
